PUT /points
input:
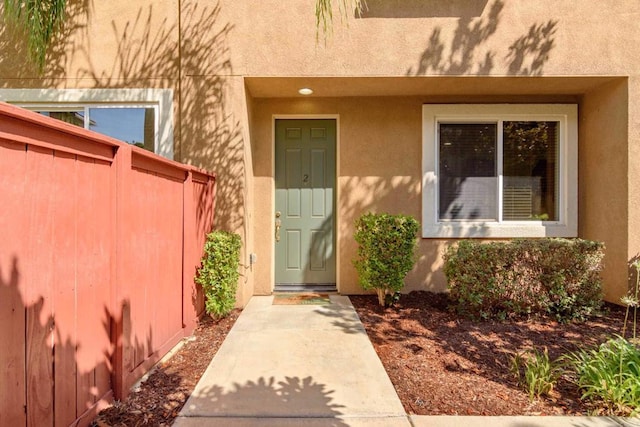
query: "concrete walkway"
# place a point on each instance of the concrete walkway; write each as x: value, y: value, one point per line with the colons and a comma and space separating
x: 287, y: 365
x: 313, y: 365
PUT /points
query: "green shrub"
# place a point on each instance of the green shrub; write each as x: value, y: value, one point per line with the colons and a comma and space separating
x: 610, y: 375
x: 219, y: 274
x: 535, y: 372
x: 386, y: 252
x: 558, y: 277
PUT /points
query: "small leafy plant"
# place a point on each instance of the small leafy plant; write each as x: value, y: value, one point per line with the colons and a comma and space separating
x: 535, y: 372
x: 631, y: 301
x: 219, y: 274
x: 386, y: 253
x: 610, y: 375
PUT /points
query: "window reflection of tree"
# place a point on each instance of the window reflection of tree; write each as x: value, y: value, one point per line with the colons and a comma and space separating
x: 530, y: 152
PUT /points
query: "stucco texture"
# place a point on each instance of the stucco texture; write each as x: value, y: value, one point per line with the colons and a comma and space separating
x: 234, y: 64
x: 379, y: 170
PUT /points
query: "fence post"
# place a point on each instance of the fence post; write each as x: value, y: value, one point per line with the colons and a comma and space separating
x: 190, y: 253
x: 121, y: 319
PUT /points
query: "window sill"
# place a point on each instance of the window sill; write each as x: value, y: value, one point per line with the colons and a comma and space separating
x: 498, y: 230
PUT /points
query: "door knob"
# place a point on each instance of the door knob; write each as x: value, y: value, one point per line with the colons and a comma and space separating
x: 278, y: 225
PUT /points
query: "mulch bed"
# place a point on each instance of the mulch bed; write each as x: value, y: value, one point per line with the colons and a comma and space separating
x: 439, y: 363
x: 159, y: 399
x: 442, y: 364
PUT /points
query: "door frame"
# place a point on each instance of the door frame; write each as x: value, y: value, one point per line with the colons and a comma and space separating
x: 336, y: 232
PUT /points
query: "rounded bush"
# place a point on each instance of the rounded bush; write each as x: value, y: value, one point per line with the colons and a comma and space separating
x: 558, y: 277
x: 386, y: 252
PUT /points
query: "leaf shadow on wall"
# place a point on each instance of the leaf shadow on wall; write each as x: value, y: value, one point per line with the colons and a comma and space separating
x: 15, y: 68
x: 192, y: 57
x: 422, y: 8
x: 469, y: 52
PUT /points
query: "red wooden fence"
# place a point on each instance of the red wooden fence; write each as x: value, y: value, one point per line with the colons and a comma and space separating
x: 99, y: 244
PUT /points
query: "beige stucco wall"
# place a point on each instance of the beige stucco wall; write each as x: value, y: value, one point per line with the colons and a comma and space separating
x: 633, y: 174
x: 374, y: 73
x: 603, y: 170
x: 433, y: 37
x: 379, y: 170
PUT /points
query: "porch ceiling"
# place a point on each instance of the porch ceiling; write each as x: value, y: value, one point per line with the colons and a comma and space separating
x: 287, y: 87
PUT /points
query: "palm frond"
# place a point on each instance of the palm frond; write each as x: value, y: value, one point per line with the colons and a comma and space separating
x: 324, y: 13
x: 38, y: 21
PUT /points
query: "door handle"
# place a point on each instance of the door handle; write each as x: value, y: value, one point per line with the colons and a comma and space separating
x: 278, y: 225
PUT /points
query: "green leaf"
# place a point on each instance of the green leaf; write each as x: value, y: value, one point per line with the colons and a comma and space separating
x: 218, y: 274
x: 38, y: 21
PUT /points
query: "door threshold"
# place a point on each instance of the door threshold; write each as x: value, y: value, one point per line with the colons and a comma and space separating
x: 304, y: 287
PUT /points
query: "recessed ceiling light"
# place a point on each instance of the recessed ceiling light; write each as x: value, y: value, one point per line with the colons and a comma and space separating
x: 305, y: 91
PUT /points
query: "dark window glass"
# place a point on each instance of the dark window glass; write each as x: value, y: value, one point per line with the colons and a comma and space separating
x: 467, y: 172
x: 530, y: 171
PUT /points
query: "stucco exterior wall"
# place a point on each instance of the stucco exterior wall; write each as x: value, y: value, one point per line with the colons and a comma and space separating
x: 379, y: 170
x: 433, y: 37
x: 603, y: 178
x: 633, y: 175
x: 233, y: 64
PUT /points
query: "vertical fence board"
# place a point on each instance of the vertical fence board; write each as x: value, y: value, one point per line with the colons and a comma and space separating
x: 125, y: 268
x: 12, y: 309
x: 177, y: 215
x: 170, y: 238
x: 189, y: 289
x: 102, y: 201
x: 64, y: 242
x: 39, y: 285
x: 155, y: 283
x: 93, y: 283
x: 86, y: 282
x: 203, y: 220
x: 143, y: 253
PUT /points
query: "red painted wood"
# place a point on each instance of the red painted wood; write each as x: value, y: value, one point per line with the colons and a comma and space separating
x: 102, y: 214
x: 20, y: 122
x: 145, y: 161
x: 12, y: 309
x: 105, y: 154
x: 189, y: 289
x: 64, y: 271
x: 142, y: 252
x: 100, y: 259
x: 203, y: 201
x: 86, y: 281
x: 93, y: 295
x: 38, y: 275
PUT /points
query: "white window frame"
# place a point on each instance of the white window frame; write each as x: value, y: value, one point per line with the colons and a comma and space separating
x: 565, y: 114
x: 161, y: 100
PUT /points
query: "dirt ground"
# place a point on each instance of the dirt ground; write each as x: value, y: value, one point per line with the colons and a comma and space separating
x: 439, y: 363
x: 442, y: 364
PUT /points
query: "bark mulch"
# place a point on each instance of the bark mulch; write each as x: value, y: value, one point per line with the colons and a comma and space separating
x: 439, y: 362
x: 443, y: 364
x: 159, y: 399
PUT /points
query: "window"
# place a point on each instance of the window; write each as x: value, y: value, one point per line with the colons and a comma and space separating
x: 142, y: 117
x: 499, y: 170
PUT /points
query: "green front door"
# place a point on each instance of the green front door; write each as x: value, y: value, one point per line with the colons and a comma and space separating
x: 304, y: 221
